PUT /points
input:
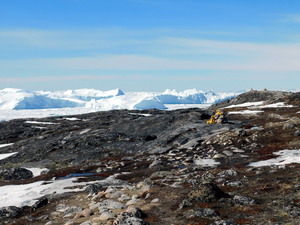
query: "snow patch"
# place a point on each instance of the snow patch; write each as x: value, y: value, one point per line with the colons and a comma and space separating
x: 246, y: 104
x: 40, y: 122
x: 85, y: 131
x: 5, y: 145
x: 246, y: 112
x: 6, y: 155
x: 284, y: 157
x: 71, y: 118
x: 276, y: 105
x: 37, y: 171
x: 27, y: 194
x: 141, y: 114
x: 206, y: 162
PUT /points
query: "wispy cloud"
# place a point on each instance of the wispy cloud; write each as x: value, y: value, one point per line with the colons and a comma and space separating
x: 290, y: 18
x: 149, y: 54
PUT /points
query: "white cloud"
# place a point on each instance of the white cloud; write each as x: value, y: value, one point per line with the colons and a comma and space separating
x: 152, y: 53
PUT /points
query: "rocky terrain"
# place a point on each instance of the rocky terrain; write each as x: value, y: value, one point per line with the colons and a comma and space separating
x: 161, y: 167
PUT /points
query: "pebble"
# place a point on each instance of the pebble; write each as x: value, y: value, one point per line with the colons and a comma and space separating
x: 107, y: 215
x: 55, y: 214
x: 228, y: 153
x: 84, y: 213
x: 86, y: 223
x: 218, y: 156
x: 111, y: 204
x: 70, y: 222
x: 132, y: 201
x: 124, y: 197
x: 238, y: 150
x: 50, y: 223
x: 155, y: 200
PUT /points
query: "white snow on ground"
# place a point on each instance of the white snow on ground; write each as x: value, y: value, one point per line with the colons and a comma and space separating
x: 206, y: 162
x: 27, y: 194
x: 141, y: 114
x: 40, y: 122
x: 6, y: 155
x: 4, y: 145
x: 246, y: 104
x: 37, y: 171
x: 246, y: 112
x: 85, y: 131
x: 275, y: 105
x: 71, y: 119
x: 284, y: 157
x: 41, y: 113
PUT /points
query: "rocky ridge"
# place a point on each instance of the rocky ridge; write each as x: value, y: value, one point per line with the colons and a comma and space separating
x: 174, y: 168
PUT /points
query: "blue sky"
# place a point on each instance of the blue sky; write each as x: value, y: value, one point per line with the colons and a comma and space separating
x: 150, y: 45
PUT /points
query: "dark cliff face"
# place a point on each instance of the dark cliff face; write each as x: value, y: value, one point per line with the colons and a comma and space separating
x: 92, y: 137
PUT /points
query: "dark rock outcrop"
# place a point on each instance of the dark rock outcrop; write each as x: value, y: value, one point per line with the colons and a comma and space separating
x: 252, y: 96
x: 96, y: 136
x: 10, y: 212
x: 15, y: 173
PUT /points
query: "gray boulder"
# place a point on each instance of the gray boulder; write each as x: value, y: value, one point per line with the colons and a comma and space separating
x: 15, y: 173
x: 10, y: 212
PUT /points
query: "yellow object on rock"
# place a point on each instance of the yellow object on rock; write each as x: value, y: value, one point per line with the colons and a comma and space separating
x: 218, y: 117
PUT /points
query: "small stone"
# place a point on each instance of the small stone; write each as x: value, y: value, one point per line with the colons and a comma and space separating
x: 135, y: 212
x: 125, y: 219
x: 228, y: 173
x: 107, y: 215
x: 124, y: 197
x: 69, y: 215
x: 70, y: 222
x: 207, y: 192
x: 83, y: 213
x: 223, y: 222
x: 86, y: 223
x: 51, y: 222
x: 148, y: 196
x: 235, y: 184
x: 238, y: 150
x: 116, y: 194
x: 155, y: 200
x: 93, y: 188
x: 110, y: 190
x: 41, y: 202
x: 241, y: 133
x: 111, y: 204
x: 73, y: 209
x: 132, y: 201
x: 297, y: 133
x: 227, y: 153
x: 62, y: 208
x: 243, y: 200
x: 55, y: 214
x: 206, y: 212
x: 218, y: 156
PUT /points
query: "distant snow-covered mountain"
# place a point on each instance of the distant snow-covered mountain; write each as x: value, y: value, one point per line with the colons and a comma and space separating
x: 13, y: 99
